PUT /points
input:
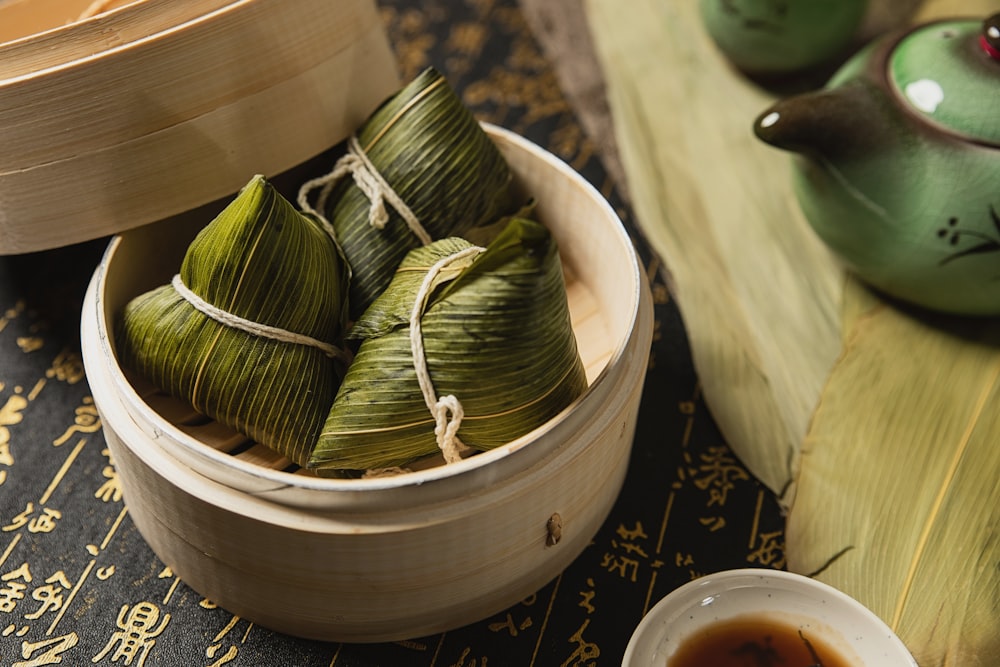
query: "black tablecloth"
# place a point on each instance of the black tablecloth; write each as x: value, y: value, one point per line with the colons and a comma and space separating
x: 75, y: 573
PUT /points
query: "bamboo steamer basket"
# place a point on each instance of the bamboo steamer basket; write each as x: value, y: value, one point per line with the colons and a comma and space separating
x: 155, y: 107
x: 385, y: 558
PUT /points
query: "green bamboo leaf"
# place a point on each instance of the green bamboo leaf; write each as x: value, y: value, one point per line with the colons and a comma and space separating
x: 497, y: 335
x: 434, y: 154
x: 262, y: 261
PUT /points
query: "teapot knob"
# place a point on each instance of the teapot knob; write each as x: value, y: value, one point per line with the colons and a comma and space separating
x: 990, y: 39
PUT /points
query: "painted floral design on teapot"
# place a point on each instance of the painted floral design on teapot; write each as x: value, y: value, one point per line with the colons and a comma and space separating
x: 899, y: 163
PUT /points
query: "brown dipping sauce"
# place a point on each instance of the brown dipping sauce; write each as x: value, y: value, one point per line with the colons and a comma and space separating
x: 754, y: 641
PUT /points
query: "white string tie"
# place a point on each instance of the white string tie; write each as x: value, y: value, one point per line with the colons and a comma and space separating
x: 446, y: 410
x: 249, y: 326
x: 368, y: 179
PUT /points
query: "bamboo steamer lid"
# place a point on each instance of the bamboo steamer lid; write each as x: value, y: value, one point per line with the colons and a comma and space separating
x: 156, y: 107
x: 38, y: 34
x: 384, y: 558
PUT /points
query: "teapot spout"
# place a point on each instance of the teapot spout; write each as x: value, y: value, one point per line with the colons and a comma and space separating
x: 831, y: 123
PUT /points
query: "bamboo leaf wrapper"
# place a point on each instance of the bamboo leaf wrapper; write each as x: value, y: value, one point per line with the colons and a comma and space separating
x: 436, y: 157
x: 262, y: 261
x: 497, y: 336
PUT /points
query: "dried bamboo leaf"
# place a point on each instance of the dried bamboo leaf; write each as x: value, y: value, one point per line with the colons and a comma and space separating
x: 930, y: 10
x: 759, y: 293
x: 859, y: 300
x: 497, y: 336
x: 899, y: 488
x: 262, y: 261
x: 708, y: 200
x: 436, y: 157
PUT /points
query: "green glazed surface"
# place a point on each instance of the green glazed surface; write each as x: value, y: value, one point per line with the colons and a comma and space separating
x: 943, y: 74
x: 781, y: 36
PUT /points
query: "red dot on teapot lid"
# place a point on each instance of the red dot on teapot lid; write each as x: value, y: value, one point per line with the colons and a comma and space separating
x: 990, y: 39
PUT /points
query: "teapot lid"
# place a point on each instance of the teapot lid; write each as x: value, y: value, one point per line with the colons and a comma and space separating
x: 949, y: 73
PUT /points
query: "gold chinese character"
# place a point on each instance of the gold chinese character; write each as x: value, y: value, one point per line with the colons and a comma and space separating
x: 11, y: 313
x: 624, y: 566
x: 87, y: 420
x: 30, y: 343
x: 44, y: 523
x: 111, y: 490
x: 510, y: 626
x: 50, y: 595
x: 633, y: 534
x: 10, y: 594
x: 713, y: 523
x: 10, y: 414
x: 66, y: 367
x: 136, y: 636
x: 473, y: 663
x: 216, y: 645
x: 13, y: 589
x: 53, y: 656
x: 587, y: 597
x: 586, y: 653
x: 771, y: 550
x: 720, y: 471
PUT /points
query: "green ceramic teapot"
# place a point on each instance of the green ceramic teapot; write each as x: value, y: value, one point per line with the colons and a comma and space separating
x: 899, y: 163
x: 776, y: 37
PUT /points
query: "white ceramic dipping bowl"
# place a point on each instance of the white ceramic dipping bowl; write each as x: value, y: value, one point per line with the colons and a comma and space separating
x: 817, y: 609
x: 394, y: 557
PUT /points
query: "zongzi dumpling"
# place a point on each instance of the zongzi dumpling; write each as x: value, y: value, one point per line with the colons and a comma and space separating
x: 421, y: 168
x: 465, y: 338
x: 247, y: 330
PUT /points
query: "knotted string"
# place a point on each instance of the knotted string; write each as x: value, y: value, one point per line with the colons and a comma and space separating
x: 249, y: 326
x: 446, y: 410
x: 368, y: 179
